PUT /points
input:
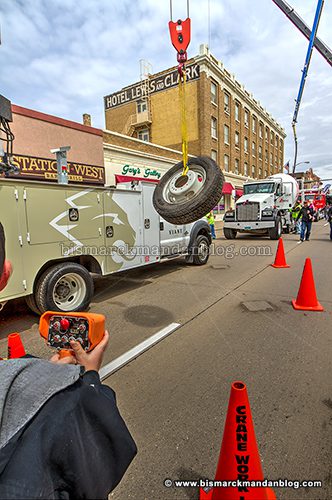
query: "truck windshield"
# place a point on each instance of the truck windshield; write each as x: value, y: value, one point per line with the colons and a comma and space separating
x: 261, y: 187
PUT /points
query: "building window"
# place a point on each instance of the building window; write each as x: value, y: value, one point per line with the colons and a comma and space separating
x: 226, y: 163
x: 142, y: 106
x: 214, y: 154
x: 254, y: 124
x: 143, y: 135
x: 226, y: 134
x: 271, y: 138
x: 271, y: 159
x: 253, y: 171
x: 237, y: 163
x: 246, y: 169
x: 260, y: 152
x: 246, y: 118
x: 214, y: 133
x: 277, y: 141
x: 260, y: 172
x: 276, y: 160
x: 253, y: 148
x: 281, y: 144
x: 237, y: 111
x: 226, y: 102
x: 246, y: 145
x: 261, y: 130
x: 237, y: 139
x: 214, y: 93
x: 265, y: 173
x: 266, y: 134
x: 266, y: 156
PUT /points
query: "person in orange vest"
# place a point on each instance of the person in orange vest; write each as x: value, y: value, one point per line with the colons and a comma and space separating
x: 210, y: 219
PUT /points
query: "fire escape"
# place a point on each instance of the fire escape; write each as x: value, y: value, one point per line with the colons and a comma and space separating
x: 140, y: 122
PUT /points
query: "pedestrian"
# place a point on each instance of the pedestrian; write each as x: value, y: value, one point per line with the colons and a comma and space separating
x: 210, y: 219
x: 306, y: 214
x: 295, y: 212
x: 329, y: 218
x: 61, y: 433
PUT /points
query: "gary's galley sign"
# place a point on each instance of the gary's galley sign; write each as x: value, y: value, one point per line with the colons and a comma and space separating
x: 43, y: 169
x: 157, y: 84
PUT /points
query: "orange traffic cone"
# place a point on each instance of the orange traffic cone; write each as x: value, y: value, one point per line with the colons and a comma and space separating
x: 306, y: 299
x: 280, y: 260
x: 15, y: 346
x: 239, y: 457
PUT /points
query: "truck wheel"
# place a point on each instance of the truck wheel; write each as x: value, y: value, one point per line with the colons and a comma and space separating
x: 275, y: 232
x: 31, y: 303
x: 229, y: 233
x: 182, y: 199
x: 200, y: 250
x: 64, y: 287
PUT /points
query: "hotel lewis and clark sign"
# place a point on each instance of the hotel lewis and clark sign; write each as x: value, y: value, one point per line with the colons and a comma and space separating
x: 162, y: 82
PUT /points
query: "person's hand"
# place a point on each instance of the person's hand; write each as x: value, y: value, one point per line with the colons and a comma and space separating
x: 67, y: 360
x: 90, y: 360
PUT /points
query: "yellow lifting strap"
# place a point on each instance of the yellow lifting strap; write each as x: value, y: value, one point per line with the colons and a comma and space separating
x: 184, y: 130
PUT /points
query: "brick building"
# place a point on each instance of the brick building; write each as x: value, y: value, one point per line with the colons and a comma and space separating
x: 224, y: 120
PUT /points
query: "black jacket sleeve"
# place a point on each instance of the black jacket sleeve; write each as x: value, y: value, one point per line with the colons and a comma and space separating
x: 98, y: 447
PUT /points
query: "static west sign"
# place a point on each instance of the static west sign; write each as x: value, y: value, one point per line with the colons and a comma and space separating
x: 157, y: 84
x: 44, y: 169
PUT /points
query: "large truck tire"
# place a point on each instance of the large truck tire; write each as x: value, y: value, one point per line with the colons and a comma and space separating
x: 66, y: 287
x: 276, y: 231
x: 200, y: 251
x: 31, y: 303
x: 184, y: 199
x: 229, y: 233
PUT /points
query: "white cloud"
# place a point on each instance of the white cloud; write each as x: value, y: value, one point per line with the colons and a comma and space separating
x: 63, y: 56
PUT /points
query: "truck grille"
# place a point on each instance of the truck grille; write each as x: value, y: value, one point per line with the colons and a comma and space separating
x: 247, y: 211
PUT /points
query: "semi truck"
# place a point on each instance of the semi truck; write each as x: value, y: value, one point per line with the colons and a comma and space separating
x: 264, y: 208
x: 57, y: 236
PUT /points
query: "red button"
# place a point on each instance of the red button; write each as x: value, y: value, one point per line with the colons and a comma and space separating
x: 65, y: 324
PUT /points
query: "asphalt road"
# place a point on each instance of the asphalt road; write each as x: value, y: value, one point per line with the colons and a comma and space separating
x: 174, y: 397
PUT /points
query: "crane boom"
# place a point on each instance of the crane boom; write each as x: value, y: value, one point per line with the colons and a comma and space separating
x: 322, y: 48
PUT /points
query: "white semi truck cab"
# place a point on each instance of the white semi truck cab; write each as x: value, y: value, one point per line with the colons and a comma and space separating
x: 264, y: 207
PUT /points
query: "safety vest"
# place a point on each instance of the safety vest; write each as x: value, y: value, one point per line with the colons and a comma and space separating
x: 295, y: 211
x: 210, y: 218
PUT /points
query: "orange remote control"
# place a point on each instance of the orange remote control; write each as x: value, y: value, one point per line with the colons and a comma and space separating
x: 58, y: 329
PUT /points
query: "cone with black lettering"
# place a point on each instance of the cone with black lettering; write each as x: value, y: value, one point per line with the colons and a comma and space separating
x: 239, y: 458
x: 15, y: 346
x: 306, y: 298
x: 280, y: 260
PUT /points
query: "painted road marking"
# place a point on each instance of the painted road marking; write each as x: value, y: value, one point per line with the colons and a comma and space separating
x: 326, y: 224
x: 136, y: 351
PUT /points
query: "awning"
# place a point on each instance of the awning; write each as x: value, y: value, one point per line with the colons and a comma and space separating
x: 130, y: 178
x: 238, y: 192
x: 227, y: 188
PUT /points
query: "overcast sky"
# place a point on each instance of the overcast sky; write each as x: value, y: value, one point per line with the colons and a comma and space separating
x: 62, y: 56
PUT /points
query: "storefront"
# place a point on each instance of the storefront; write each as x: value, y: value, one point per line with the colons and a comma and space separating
x: 37, y: 133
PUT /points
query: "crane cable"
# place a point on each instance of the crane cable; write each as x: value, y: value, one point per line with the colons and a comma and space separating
x: 180, y: 37
x: 184, y: 128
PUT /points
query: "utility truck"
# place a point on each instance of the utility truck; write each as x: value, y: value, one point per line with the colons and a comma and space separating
x: 264, y: 207
x: 58, y: 235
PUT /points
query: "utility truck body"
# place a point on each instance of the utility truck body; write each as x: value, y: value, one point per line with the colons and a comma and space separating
x: 57, y: 235
x: 264, y: 207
